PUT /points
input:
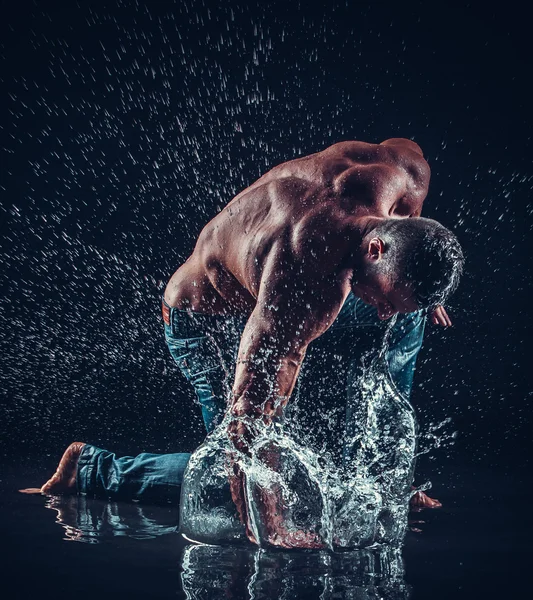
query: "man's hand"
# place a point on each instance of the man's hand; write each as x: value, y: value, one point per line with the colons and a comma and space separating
x: 440, y: 317
x: 270, y: 503
x: 241, y: 433
x: 419, y: 500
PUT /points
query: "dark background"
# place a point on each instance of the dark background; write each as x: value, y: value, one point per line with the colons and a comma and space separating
x: 125, y: 126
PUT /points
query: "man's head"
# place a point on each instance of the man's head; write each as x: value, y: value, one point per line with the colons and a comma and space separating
x: 406, y: 265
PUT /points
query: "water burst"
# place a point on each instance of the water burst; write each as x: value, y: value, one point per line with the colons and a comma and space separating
x: 298, y: 498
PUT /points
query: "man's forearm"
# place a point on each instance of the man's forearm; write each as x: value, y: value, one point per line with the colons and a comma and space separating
x: 263, y: 384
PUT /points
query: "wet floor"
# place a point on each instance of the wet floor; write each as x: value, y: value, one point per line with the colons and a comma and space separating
x: 477, y: 546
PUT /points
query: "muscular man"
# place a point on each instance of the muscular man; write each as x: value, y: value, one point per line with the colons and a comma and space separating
x: 331, y: 240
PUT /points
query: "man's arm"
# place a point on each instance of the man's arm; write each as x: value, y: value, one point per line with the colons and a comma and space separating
x: 295, y: 305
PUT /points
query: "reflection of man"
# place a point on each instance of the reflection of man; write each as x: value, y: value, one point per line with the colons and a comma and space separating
x: 324, y: 241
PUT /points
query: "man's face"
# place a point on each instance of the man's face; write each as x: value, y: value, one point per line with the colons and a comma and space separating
x: 378, y: 290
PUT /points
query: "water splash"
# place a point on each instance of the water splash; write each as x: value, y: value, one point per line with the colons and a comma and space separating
x: 360, y: 503
x: 437, y: 435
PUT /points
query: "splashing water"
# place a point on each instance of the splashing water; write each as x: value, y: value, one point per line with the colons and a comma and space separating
x: 361, y: 503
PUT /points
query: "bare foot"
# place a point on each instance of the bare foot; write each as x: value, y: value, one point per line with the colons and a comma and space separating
x: 420, y: 500
x: 64, y: 479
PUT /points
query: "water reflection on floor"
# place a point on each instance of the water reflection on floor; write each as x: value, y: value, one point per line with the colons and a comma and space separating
x: 212, y: 572
x: 261, y: 575
x: 90, y: 520
x: 473, y: 547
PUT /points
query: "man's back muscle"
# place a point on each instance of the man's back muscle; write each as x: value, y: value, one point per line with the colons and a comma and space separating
x: 298, y: 205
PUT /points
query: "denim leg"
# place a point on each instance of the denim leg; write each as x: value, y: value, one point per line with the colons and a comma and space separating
x: 404, y: 344
x: 146, y: 477
x: 361, y: 330
x: 204, y: 348
x: 198, y: 362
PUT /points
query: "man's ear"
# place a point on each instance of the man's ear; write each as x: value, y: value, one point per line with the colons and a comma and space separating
x: 376, y: 247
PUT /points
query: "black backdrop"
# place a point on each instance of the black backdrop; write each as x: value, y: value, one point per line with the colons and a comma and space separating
x: 125, y: 126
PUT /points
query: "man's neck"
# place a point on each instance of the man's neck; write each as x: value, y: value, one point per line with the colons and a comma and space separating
x: 359, y: 229
x: 365, y: 225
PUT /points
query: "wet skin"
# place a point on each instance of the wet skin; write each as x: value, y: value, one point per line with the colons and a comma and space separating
x: 288, y: 250
x: 63, y: 481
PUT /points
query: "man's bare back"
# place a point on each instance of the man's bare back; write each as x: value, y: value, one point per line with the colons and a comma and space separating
x: 306, y: 204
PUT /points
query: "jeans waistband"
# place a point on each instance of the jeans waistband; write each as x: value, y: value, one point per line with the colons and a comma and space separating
x: 166, y: 311
x: 172, y: 315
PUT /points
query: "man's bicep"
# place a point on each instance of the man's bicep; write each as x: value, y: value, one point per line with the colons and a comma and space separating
x: 287, y: 317
x: 297, y: 312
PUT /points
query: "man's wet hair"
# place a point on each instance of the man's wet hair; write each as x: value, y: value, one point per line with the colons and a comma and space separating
x: 424, y: 254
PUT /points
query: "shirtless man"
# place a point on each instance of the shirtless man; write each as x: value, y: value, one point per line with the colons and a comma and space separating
x: 307, y: 244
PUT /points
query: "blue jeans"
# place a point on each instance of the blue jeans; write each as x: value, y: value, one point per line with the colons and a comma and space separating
x: 205, y: 348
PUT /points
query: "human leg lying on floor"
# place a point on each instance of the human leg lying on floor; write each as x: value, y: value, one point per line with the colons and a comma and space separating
x: 86, y: 469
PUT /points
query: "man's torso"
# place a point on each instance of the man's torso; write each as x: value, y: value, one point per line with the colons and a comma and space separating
x: 300, y: 210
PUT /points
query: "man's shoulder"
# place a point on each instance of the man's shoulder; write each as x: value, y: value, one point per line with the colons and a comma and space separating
x: 388, y: 161
x: 350, y: 149
x: 355, y: 150
x: 321, y: 238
